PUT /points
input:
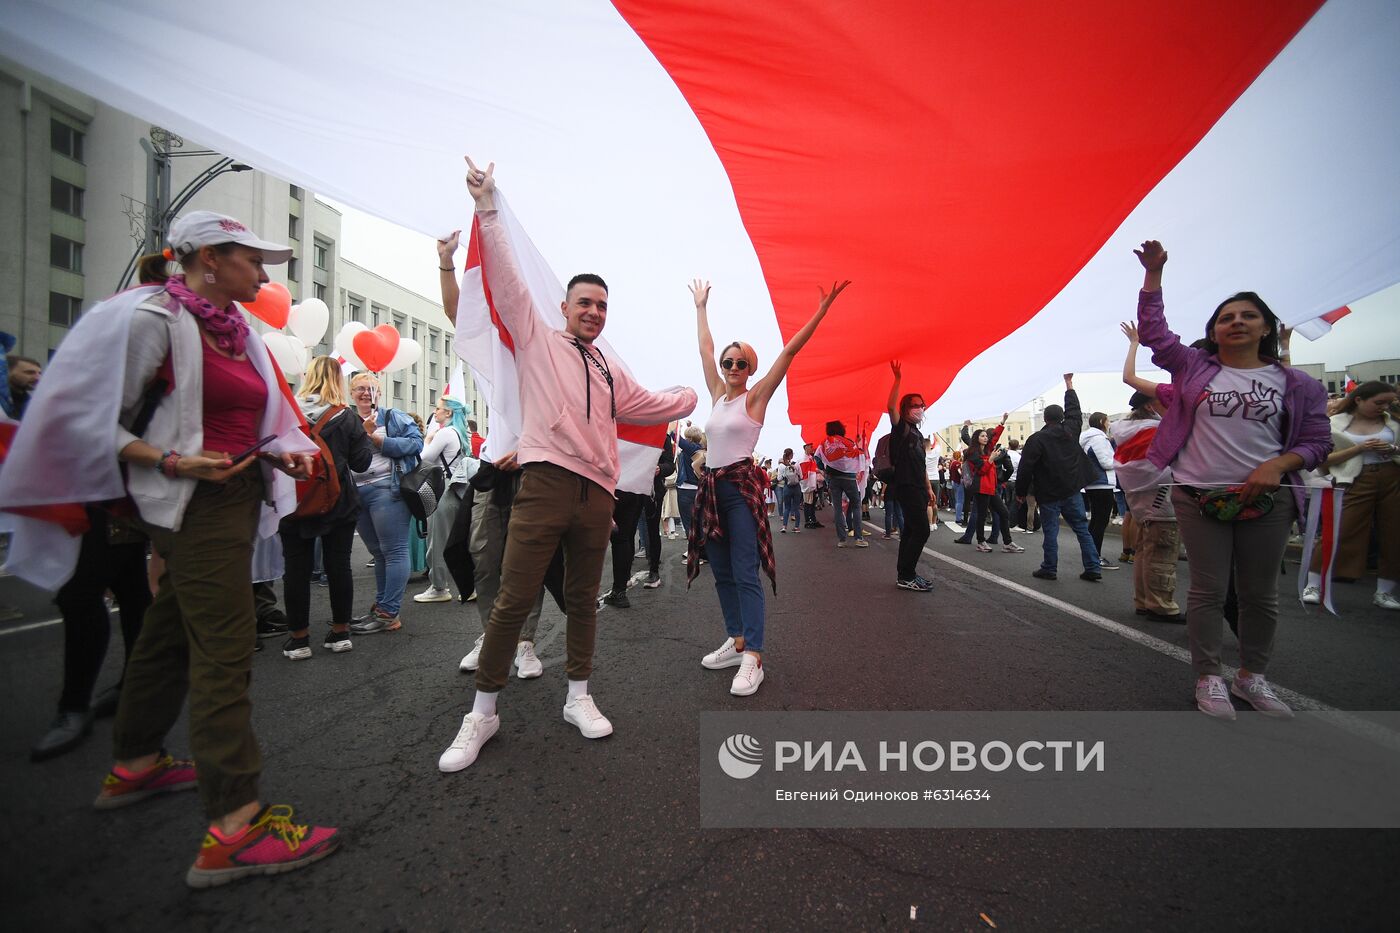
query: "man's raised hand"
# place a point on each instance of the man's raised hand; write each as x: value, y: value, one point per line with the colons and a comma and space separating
x: 480, y: 184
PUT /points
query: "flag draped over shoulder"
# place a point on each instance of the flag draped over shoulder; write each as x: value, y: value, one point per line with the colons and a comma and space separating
x: 485, y: 344
x: 64, y: 454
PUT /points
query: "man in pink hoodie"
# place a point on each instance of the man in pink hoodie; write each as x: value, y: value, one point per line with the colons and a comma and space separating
x: 572, y: 400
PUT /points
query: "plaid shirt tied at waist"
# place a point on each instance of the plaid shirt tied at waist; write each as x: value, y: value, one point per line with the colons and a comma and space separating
x: 706, y: 526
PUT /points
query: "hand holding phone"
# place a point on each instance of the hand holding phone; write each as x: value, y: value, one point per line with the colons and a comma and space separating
x: 244, y: 455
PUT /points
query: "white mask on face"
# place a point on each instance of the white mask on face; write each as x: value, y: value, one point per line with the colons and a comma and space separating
x: 916, y: 415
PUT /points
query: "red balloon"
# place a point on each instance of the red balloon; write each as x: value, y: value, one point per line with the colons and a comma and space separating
x: 272, y: 305
x: 376, y: 348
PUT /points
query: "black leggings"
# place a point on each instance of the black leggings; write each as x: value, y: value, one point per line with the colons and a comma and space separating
x: 988, y: 502
x: 1101, y: 504
x: 914, y: 503
x: 86, y: 624
x: 299, y: 554
x: 629, y: 508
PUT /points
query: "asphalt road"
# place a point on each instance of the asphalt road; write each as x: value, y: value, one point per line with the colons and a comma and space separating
x: 551, y: 831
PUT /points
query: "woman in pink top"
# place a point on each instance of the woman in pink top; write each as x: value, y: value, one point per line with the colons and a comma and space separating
x: 731, y: 521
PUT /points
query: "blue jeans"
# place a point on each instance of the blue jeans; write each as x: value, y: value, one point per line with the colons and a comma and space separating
x: 790, y: 505
x: 383, y: 526
x: 958, y: 493
x: 894, y: 513
x: 685, y: 501
x: 734, y: 560
x: 845, y: 486
x: 1072, y: 508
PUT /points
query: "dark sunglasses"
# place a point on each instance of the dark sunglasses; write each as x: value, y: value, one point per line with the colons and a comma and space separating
x: 739, y: 364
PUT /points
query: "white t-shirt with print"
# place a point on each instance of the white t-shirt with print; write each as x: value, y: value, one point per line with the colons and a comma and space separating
x: 1239, y: 425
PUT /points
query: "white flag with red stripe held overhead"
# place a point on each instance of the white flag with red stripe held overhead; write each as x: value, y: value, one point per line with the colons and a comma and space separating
x: 485, y: 344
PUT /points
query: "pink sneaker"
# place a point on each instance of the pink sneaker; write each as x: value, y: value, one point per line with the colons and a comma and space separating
x: 1255, y: 691
x: 122, y: 788
x: 270, y: 845
x: 1213, y: 699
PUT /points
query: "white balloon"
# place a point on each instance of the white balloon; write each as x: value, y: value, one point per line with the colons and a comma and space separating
x: 288, y: 352
x: 409, y: 352
x: 309, y: 320
x: 345, y: 342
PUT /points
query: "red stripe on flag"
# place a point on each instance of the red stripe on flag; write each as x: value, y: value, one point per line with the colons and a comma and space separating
x: 1329, y: 543
x: 474, y: 260
x: 648, y: 435
x: 925, y: 155
x: 1332, y: 317
x: 1135, y: 447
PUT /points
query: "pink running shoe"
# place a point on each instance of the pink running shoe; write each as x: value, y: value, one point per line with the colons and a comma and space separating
x: 168, y: 774
x: 270, y: 845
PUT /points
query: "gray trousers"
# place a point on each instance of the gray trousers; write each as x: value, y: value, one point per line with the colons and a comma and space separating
x: 1255, y: 550
x: 439, y: 531
x: 487, y: 545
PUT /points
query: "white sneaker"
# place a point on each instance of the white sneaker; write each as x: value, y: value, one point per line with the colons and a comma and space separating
x: 434, y: 595
x: 723, y: 656
x: 476, y: 729
x: 1255, y: 691
x: 1386, y: 601
x: 583, y: 712
x: 473, y: 657
x: 749, y: 677
x: 1312, y: 596
x: 1213, y: 699
x: 527, y: 664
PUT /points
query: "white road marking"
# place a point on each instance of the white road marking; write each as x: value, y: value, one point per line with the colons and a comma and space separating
x: 1299, y: 701
x: 45, y: 623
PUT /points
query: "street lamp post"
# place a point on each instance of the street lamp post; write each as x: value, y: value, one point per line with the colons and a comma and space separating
x: 164, y: 208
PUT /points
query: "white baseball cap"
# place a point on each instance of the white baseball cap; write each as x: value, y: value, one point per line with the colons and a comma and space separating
x: 206, y: 228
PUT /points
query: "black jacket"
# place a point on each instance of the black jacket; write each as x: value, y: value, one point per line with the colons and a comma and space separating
x: 351, y: 447
x: 1052, y: 462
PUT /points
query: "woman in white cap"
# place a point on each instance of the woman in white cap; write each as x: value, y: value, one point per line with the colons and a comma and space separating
x: 206, y: 445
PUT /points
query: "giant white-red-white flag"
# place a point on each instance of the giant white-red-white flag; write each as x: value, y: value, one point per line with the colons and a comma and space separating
x: 485, y: 344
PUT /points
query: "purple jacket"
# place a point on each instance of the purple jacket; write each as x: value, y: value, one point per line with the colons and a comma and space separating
x: 1307, y: 432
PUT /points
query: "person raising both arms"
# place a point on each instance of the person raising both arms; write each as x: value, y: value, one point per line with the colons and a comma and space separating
x: 730, y: 519
x: 571, y: 398
x: 1238, y: 426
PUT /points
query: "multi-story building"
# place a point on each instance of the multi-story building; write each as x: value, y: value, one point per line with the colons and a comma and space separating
x: 85, y: 189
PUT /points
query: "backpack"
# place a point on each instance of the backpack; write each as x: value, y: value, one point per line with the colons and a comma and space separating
x: 319, y: 492
x: 883, y: 465
x: 421, y: 490
x: 970, y: 476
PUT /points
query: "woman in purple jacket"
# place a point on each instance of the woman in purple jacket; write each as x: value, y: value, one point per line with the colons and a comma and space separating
x: 1240, y: 421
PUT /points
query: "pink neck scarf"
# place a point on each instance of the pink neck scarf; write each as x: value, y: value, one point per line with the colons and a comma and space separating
x: 225, y: 325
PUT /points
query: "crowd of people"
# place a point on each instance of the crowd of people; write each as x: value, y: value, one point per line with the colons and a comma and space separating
x: 214, y: 454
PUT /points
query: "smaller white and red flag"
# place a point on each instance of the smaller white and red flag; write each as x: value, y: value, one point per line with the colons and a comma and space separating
x: 1320, y: 326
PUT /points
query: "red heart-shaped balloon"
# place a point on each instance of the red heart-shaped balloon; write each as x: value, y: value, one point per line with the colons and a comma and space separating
x: 272, y: 306
x: 376, y: 348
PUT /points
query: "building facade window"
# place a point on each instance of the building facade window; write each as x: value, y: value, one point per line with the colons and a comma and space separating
x: 398, y: 390
x: 65, y: 253
x: 432, y: 371
x: 319, y: 291
x: 354, y: 311
x: 66, y: 197
x: 293, y: 270
x: 320, y: 256
x: 294, y: 226
x: 294, y: 193
x: 66, y: 140
x: 63, y: 309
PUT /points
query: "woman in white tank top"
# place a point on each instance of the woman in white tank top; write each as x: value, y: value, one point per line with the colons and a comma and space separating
x: 731, y: 520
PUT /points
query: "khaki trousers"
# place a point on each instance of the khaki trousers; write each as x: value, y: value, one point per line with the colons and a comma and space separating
x: 1154, y: 567
x: 554, y: 505
x: 1373, y: 497
x: 197, y: 639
